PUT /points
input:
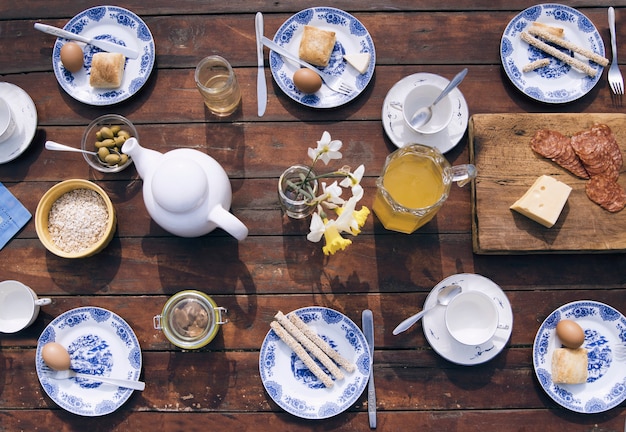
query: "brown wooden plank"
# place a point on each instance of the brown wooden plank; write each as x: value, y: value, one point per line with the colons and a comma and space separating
x: 507, y: 167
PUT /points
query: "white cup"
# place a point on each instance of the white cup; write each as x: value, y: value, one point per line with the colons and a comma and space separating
x: 472, y: 318
x: 7, y: 122
x: 423, y: 96
x: 19, y: 306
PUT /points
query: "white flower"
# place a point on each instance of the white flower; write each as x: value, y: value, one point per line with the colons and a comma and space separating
x: 317, y: 228
x: 353, y: 180
x: 326, y: 149
x: 332, y: 195
x: 346, y: 222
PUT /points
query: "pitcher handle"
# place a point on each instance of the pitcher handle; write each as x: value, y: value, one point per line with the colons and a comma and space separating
x: 463, y: 174
x: 228, y: 222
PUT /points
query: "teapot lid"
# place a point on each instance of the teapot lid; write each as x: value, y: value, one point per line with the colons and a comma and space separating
x: 180, y: 185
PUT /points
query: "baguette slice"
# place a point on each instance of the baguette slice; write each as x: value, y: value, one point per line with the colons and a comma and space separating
x: 107, y: 70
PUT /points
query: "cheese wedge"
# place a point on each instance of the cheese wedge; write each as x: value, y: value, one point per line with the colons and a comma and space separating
x: 360, y: 61
x: 544, y: 201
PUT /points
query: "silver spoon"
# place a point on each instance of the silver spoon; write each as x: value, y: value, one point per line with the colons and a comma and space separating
x: 51, y: 145
x: 444, y: 296
x: 424, y: 114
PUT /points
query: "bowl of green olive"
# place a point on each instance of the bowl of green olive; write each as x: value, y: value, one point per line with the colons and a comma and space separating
x: 105, y: 136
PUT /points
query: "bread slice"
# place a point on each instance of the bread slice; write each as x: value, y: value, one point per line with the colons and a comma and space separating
x: 107, y: 70
x: 316, y: 45
x: 569, y: 366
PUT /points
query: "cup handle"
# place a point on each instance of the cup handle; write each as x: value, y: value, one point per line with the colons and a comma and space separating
x: 396, y: 105
x: 43, y: 301
x: 463, y: 174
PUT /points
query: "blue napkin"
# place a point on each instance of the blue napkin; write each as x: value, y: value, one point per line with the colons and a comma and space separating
x: 13, y: 216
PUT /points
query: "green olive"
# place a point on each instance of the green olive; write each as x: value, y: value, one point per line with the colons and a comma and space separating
x: 109, y: 142
x: 123, y: 133
x: 119, y: 140
x: 123, y: 159
x: 106, y: 132
x: 103, y: 152
x: 112, y: 159
x: 115, y: 129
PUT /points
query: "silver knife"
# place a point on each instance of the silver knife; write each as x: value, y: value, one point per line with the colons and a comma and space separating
x: 368, y: 329
x: 261, y: 88
x: 102, y: 44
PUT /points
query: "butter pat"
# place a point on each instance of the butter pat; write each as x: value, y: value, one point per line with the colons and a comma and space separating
x: 360, y: 61
x: 544, y: 201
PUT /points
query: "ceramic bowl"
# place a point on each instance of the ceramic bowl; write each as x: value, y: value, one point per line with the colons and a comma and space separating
x: 43, y: 211
x: 90, y: 138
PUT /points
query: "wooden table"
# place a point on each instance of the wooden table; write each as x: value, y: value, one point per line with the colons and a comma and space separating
x: 276, y: 268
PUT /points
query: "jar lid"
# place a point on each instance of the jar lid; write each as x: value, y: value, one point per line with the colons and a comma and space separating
x: 190, y: 319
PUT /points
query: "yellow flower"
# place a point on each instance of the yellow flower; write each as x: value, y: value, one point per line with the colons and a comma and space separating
x: 334, y: 241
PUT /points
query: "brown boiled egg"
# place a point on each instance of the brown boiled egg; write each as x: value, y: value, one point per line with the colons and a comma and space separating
x: 55, y: 356
x: 72, y: 57
x: 307, y: 81
x: 570, y: 333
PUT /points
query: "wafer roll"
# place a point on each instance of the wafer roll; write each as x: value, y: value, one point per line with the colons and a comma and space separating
x: 341, y: 361
x: 302, y: 354
x: 558, y: 54
x: 546, y: 35
x: 308, y: 344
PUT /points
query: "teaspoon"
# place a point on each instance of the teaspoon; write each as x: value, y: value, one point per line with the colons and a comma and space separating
x: 424, y: 114
x: 444, y: 296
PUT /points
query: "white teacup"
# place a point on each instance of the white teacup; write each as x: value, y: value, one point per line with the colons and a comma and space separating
x: 472, y: 318
x: 7, y: 122
x: 19, y: 306
x: 423, y: 96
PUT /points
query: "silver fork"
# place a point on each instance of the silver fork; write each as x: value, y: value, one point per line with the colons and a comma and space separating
x: 335, y: 83
x: 615, y: 76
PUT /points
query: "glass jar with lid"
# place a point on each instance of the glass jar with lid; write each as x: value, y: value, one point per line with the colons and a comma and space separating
x: 190, y: 319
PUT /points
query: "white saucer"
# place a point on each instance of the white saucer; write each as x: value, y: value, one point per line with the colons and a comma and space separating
x: 25, y: 116
x: 401, y: 135
x: 445, y: 345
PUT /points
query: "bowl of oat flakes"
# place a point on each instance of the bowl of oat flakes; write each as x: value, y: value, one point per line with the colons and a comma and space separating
x: 75, y: 219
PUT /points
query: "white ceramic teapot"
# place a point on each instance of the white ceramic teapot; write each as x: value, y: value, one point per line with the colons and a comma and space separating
x: 186, y: 192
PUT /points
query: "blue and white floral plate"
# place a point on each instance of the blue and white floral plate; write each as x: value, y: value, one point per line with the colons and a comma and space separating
x: 99, y: 343
x: 444, y: 344
x: 605, y: 331
x: 557, y: 82
x: 294, y: 388
x: 351, y: 38
x: 116, y: 25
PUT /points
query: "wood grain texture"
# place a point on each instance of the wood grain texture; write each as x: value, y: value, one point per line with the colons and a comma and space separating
x: 507, y: 167
x: 276, y: 268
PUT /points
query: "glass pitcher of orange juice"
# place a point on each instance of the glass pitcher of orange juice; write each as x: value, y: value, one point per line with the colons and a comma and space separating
x: 414, y: 184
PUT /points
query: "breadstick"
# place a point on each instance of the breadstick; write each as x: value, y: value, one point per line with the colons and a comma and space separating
x: 536, y: 65
x: 302, y: 354
x: 536, y: 31
x: 341, y: 361
x: 558, y: 54
x: 308, y: 344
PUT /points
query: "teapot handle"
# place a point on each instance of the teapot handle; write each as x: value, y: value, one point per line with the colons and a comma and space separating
x: 228, y: 222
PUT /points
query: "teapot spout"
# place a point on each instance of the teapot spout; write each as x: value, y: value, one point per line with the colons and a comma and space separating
x: 228, y: 222
x: 143, y: 158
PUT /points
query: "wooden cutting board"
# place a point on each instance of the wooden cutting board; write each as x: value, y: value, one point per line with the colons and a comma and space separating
x: 507, y: 167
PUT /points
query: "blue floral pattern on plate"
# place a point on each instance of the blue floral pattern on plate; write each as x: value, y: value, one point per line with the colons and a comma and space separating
x: 99, y: 343
x: 604, y: 329
x: 351, y: 37
x: 117, y: 25
x: 558, y: 82
x: 294, y: 388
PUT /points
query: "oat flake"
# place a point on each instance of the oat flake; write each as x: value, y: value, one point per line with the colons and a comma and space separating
x: 77, y: 220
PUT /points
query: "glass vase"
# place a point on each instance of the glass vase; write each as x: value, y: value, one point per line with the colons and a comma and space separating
x: 294, y: 204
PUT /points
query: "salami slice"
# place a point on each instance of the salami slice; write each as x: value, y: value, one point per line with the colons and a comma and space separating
x: 598, y: 151
x: 557, y: 147
x: 606, y: 192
